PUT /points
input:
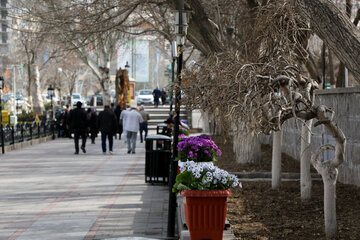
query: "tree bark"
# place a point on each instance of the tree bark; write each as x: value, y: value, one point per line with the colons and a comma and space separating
x: 200, y: 32
x: 334, y: 27
x: 276, y: 160
x: 330, y: 207
x: 328, y: 170
x: 331, y: 68
x: 38, y: 105
x: 305, y: 157
x: 340, y: 80
x: 247, y: 148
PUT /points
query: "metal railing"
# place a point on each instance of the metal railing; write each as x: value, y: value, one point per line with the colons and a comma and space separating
x: 27, y: 131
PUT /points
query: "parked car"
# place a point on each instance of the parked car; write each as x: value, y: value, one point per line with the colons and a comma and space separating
x: 6, y: 97
x: 145, y: 97
x: 76, y: 97
x: 55, y: 99
x: 99, y: 100
x: 19, y: 102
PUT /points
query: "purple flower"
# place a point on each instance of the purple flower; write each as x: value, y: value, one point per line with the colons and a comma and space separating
x: 202, y: 148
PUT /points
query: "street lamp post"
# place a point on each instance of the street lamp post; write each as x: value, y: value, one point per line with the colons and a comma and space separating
x: 2, y: 83
x: 51, y: 94
x: 180, y: 31
x: 127, y: 68
x: 173, y: 55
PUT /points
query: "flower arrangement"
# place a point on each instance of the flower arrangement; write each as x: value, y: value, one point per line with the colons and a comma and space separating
x: 203, y: 176
x: 198, y: 149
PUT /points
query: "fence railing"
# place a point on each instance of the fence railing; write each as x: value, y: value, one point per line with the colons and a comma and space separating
x: 26, y: 132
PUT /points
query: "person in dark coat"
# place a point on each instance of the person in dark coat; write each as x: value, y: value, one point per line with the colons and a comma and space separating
x: 77, y: 121
x: 63, y: 118
x: 163, y: 96
x: 157, y: 95
x: 117, y: 113
x: 107, y: 125
x: 169, y: 127
x: 92, y: 118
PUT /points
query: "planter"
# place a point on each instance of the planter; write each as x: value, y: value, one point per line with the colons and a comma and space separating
x: 205, y: 212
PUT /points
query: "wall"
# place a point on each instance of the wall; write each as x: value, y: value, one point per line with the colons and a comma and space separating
x: 346, y: 104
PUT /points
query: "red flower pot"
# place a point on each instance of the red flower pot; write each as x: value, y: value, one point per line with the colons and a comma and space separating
x: 205, y: 212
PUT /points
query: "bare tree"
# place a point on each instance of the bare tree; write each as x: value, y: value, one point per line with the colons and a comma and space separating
x: 266, y: 88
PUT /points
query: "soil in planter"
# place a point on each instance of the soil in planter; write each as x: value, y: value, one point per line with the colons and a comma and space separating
x: 258, y: 212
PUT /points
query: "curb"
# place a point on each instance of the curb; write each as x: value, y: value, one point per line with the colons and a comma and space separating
x: 21, y: 145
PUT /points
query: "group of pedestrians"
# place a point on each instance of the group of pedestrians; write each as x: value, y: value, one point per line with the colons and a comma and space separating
x: 159, y: 94
x: 109, y: 122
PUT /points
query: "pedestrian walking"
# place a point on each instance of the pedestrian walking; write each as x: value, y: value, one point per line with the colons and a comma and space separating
x: 144, y: 125
x: 132, y: 126
x: 163, y: 96
x: 63, y: 119
x: 157, y: 95
x: 78, y: 123
x: 92, y: 118
x: 107, y: 125
x: 122, y: 121
x: 117, y: 113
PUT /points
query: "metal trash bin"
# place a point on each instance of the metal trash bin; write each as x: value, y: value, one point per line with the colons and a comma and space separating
x: 157, y: 158
x: 160, y: 128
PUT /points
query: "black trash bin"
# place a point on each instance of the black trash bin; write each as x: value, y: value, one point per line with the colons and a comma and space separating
x: 161, y: 129
x: 157, y: 158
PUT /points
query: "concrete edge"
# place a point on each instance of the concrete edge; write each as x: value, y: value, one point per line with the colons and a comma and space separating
x: 24, y: 144
x: 285, y: 175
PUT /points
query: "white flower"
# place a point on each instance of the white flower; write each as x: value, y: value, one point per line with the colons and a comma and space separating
x: 197, y: 175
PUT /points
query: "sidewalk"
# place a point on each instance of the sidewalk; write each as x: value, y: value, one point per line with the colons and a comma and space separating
x: 47, y: 192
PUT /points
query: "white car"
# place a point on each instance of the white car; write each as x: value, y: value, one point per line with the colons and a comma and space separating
x: 76, y: 97
x: 145, y: 97
x: 55, y: 99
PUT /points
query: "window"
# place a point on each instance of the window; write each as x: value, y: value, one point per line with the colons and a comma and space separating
x: 4, y: 14
x: 3, y: 27
x: 4, y: 37
x: 3, y: 3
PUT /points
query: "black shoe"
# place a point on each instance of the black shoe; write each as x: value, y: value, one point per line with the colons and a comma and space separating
x: 133, y: 152
x: 83, y: 149
x: 129, y: 151
x: 76, y: 152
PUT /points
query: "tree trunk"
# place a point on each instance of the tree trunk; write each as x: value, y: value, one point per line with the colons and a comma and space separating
x: 106, y: 83
x: 276, y: 160
x: 206, y: 121
x: 305, y: 157
x: 331, y: 68
x: 200, y: 32
x: 38, y: 105
x: 247, y: 147
x: 330, y: 207
x: 340, y: 80
x: 335, y: 28
x: 328, y: 170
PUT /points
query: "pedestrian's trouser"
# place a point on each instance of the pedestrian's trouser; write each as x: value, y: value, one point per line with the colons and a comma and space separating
x: 131, y: 140
x: 103, y: 141
x: 143, y: 127
x: 77, y: 134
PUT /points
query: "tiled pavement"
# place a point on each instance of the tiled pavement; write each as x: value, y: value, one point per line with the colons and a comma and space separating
x: 47, y: 192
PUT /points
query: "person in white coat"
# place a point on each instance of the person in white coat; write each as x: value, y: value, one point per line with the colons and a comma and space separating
x: 123, y: 120
x: 133, y: 120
